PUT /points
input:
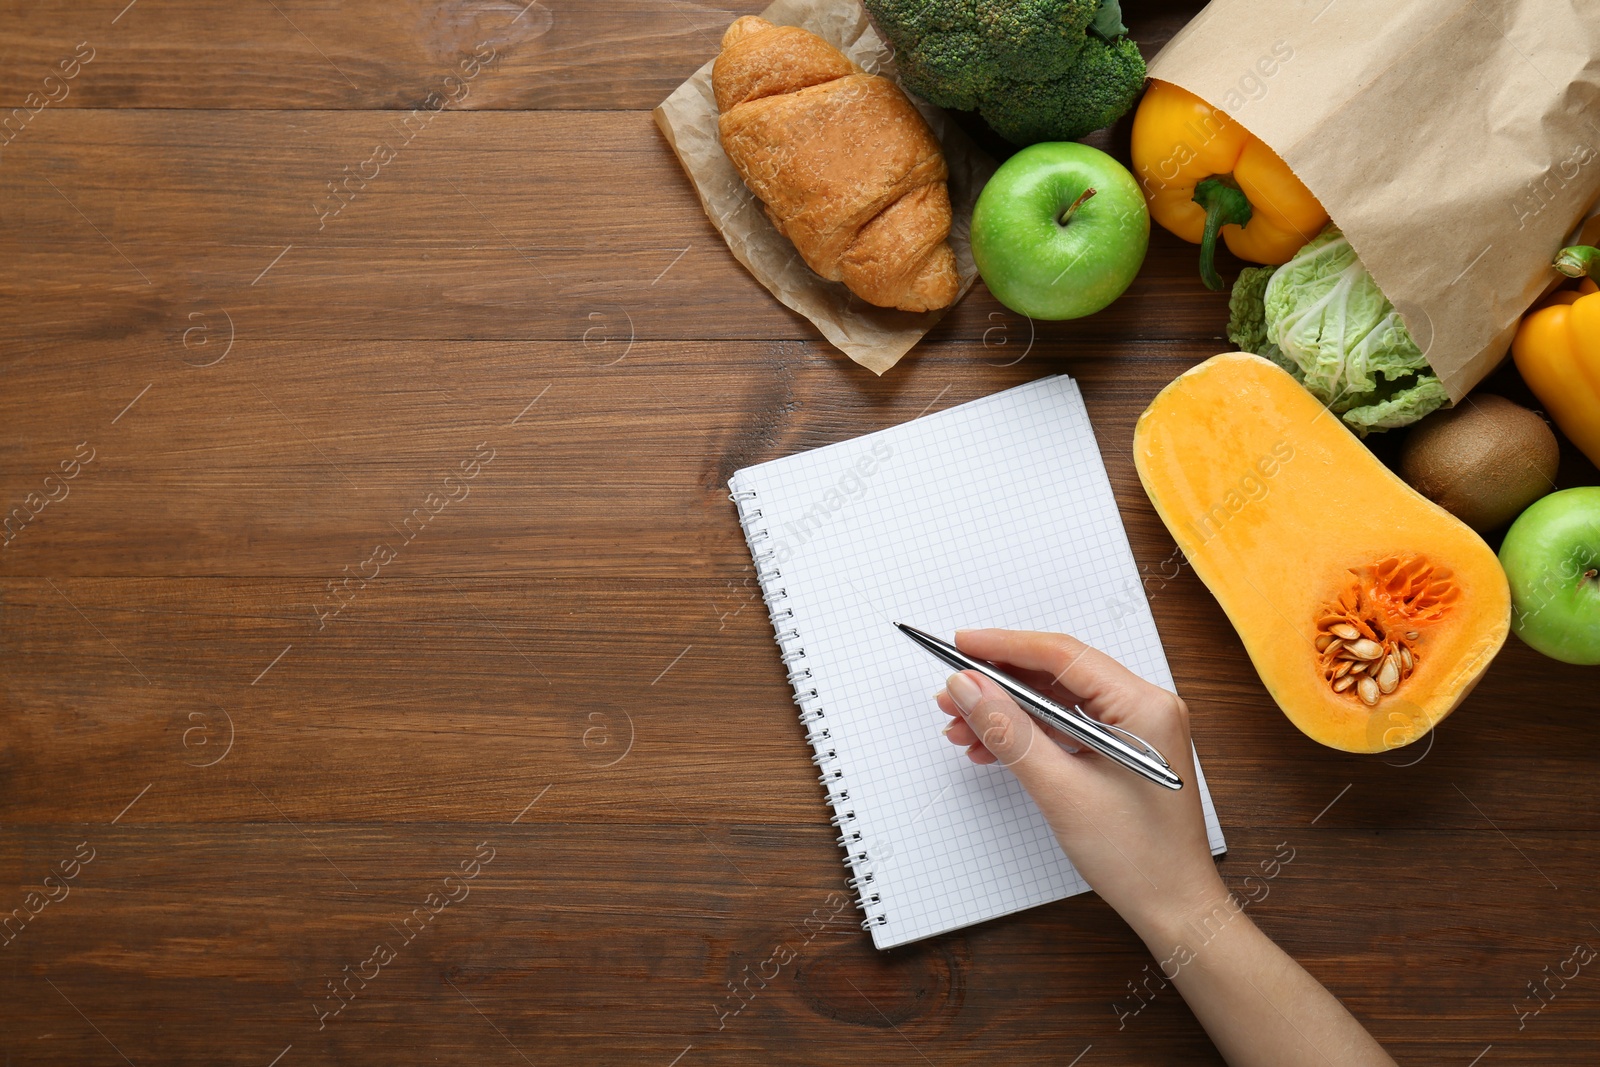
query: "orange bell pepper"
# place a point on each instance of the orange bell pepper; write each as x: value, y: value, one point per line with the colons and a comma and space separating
x: 1557, y: 351
x: 1202, y: 173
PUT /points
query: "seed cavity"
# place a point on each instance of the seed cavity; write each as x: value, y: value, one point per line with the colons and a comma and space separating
x: 1368, y: 639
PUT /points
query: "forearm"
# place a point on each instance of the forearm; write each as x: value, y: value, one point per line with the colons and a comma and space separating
x: 1260, y: 1007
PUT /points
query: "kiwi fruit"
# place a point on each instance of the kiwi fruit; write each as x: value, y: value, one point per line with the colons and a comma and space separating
x: 1484, y: 460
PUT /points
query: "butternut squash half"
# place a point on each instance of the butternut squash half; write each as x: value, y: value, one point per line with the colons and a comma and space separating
x: 1368, y: 611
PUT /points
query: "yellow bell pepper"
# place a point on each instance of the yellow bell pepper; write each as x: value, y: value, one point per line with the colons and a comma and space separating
x: 1203, y: 173
x: 1557, y: 351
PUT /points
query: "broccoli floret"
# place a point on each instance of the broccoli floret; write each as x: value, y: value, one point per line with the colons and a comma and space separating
x: 948, y: 61
x: 1037, y: 70
x: 1105, y: 81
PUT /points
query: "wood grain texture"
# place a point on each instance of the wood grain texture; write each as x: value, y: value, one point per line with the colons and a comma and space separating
x: 481, y: 226
x: 320, y: 55
x: 566, y: 661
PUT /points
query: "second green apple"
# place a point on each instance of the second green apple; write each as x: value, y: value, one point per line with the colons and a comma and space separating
x: 1060, y: 231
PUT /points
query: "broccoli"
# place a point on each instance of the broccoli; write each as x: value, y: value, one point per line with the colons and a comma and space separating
x: 1036, y: 70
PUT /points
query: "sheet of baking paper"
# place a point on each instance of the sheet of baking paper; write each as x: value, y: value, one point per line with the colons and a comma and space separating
x: 1456, y: 142
x: 874, y: 337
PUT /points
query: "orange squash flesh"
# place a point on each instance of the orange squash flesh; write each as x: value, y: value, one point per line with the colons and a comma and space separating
x: 1329, y: 566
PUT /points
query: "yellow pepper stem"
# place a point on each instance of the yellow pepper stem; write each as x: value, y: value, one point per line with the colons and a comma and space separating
x: 1225, y: 205
x: 1578, y: 261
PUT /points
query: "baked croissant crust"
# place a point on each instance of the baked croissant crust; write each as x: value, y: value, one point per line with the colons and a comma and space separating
x: 844, y: 164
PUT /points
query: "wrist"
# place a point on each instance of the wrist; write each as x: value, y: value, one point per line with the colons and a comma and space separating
x: 1186, y: 919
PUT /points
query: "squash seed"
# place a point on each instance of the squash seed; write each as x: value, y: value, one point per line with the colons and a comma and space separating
x: 1324, y: 641
x: 1343, y: 668
x: 1412, y: 635
x: 1366, y: 649
x: 1406, y: 662
x: 1346, y: 631
x: 1388, y: 674
x: 1367, y: 689
x: 1341, y: 684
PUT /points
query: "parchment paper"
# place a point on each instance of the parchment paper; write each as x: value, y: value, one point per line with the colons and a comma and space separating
x: 1454, y: 142
x: 874, y: 337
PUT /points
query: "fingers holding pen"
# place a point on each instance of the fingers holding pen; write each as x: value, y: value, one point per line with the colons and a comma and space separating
x: 960, y: 731
x: 1070, y: 663
x: 992, y: 726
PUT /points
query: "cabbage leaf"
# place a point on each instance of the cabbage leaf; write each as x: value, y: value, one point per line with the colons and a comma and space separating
x: 1322, y: 318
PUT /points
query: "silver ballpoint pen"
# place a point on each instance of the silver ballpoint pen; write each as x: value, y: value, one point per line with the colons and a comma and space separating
x: 1104, y: 738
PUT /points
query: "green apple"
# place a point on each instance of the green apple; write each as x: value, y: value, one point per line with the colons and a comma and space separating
x: 1551, y: 556
x: 1060, y: 231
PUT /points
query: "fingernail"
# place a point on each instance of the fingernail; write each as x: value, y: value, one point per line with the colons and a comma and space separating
x: 964, y: 691
x: 951, y: 725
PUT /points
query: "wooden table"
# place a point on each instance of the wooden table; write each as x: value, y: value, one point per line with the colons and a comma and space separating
x: 525, y: 785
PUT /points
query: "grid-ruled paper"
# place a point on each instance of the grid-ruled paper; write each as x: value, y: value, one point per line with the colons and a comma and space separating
x: 993, y: 513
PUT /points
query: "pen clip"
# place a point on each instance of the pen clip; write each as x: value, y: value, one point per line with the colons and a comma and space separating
x: 1144, y: 746
x: 1149, y: 749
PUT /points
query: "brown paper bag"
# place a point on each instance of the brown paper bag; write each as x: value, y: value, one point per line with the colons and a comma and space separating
x: 874, y: 337
x: 1454, y: 142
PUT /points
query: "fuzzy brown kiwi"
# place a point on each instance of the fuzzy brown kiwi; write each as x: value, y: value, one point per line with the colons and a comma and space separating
x: 1484, y: 460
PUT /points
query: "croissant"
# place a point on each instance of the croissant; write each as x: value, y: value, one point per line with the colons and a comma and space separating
x: 843, y: 163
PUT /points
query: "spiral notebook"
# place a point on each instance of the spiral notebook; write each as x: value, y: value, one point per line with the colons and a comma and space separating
x: 996, y: 512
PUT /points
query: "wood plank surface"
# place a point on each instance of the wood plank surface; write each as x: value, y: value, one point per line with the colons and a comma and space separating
x: 561, y: 693
x: 321, y: 55
x: 483, y: 226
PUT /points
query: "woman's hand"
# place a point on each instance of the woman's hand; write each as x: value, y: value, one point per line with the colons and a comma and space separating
x: 1142, y: 847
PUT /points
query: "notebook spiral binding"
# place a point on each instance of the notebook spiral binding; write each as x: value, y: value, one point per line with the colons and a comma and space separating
x: 812, y: 715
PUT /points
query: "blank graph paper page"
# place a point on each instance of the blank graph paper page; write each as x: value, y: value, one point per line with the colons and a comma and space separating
x: 993, y: 513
